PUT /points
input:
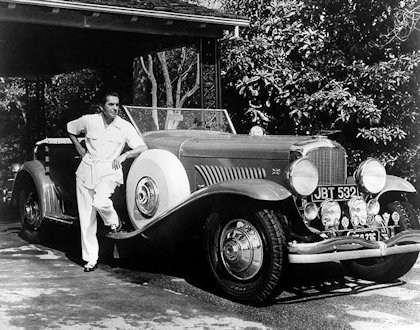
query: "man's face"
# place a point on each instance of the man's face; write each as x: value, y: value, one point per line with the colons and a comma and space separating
x: 111, y: 107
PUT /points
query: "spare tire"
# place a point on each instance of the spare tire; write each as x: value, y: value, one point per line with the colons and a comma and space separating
x: 156, y: 182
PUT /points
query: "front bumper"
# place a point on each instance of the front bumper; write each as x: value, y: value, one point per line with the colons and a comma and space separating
x: 346, y: 248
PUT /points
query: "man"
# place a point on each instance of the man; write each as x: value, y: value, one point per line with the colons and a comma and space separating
x: 100, y: 170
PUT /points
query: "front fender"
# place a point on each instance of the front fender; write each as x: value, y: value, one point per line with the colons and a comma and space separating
x: 257, y: 189
x: 394, y: 183
x: 34, y: 171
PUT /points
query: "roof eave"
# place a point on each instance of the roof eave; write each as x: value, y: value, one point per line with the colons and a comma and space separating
x: 228, y: 22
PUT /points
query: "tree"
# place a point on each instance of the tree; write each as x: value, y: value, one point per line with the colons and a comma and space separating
x: 69, y: 96
x: 304, y: 66
x: 182, y: 63
x: 12, y: 124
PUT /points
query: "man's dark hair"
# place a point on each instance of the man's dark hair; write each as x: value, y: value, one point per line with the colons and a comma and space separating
x: 105, y: 96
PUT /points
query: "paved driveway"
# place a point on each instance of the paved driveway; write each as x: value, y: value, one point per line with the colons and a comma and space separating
x: 44, y: 287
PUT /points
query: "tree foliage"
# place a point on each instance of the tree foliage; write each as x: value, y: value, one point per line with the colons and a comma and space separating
x: 69, y: 96
x: 304, y: 66
x: 12, y: 124
x: 300, y: 67
x: 66, y: 96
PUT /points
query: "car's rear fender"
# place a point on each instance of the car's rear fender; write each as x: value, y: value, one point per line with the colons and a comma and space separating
x: 34, y: 172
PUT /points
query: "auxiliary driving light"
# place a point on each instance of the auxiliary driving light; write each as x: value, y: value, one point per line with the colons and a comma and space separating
x: 373, y: 207
x: 371, y: 176
x: 330, y: 213
x: 358, y: 211
x: 310, y: 211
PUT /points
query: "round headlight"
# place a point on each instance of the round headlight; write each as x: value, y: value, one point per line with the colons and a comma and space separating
x: 302, y: 176
x: 371, y: 176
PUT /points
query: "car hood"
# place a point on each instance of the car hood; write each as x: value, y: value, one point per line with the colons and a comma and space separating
x: 206, y: 144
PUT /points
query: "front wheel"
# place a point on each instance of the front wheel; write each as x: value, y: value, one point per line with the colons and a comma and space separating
x: 388, y: 268
x: 245, y: 250
x: 30, y: 214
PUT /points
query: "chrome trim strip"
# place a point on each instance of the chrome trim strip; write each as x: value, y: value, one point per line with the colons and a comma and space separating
x: 348, y: 255
x: 356, y: 248
x: 63, y: 219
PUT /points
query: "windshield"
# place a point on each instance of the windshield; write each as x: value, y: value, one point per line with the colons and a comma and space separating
x: 147, y: 119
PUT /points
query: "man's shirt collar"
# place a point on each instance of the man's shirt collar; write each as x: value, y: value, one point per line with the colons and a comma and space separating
x: 117, y: 122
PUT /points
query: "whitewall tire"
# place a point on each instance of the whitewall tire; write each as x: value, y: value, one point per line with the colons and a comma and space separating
x: 156, y: 182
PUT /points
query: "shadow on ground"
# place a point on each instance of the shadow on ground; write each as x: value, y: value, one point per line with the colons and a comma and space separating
x: 322, y: 281
x: 143, y: 259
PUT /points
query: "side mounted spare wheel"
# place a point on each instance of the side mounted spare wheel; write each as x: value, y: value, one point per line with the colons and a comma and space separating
x: 156, y: 182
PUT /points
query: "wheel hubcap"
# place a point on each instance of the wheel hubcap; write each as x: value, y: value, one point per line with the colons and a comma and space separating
x: 241, y: 249
x: 147, y: 196
x: 31, y: 211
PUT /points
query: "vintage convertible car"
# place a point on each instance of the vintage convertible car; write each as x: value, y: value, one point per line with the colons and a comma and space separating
x: 258, y: 204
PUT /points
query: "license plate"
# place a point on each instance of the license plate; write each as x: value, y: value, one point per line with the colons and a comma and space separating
x: 367, y: 235
x: 338, y: 193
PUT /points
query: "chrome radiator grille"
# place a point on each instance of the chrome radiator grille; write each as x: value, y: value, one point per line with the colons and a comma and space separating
x: 215, y: 174
x: 331, y: 164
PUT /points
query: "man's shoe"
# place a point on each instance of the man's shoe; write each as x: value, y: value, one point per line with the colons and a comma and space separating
x: 115, y: 228
x: 89, y: 267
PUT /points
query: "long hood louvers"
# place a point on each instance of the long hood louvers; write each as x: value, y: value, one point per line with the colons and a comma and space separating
x: 215, y: 174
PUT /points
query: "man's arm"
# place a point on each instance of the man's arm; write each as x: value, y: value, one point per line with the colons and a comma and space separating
x: 116, y: 164
x: 80, y: 150
x: 135, y: 152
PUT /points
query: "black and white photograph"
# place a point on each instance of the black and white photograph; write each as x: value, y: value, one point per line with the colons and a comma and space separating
x: 210, y: 164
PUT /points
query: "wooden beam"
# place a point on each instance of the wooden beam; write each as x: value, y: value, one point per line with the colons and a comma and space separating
x: 147, y: 12
x: 64, y: 49
x: 110, y: 22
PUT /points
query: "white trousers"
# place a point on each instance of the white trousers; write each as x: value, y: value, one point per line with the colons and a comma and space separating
x: 90, y: 201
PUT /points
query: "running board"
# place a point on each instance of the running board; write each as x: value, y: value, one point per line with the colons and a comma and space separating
x: 124, y: 234
x: 60, y: 218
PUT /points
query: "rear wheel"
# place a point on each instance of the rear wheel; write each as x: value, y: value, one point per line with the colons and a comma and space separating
x: 30, y: 213
x: 388, y: 268
x: 245, y: 250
